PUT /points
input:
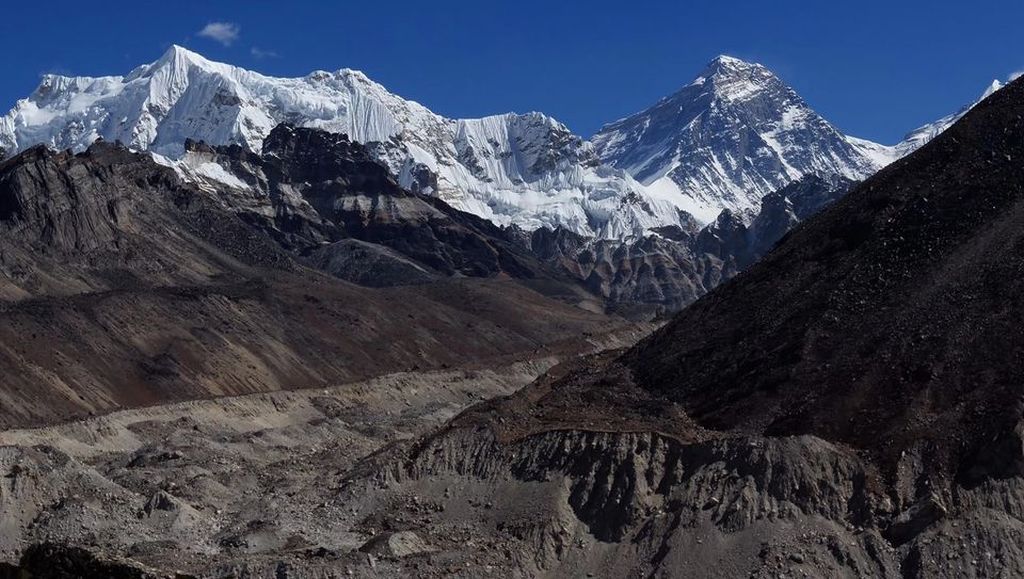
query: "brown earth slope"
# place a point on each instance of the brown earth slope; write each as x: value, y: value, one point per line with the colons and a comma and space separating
x: 122, y: 286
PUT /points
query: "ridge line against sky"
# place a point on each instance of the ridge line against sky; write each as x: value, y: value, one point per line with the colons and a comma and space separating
x: 876, y: 71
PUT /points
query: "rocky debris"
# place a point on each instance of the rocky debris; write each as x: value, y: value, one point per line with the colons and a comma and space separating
x: 240, y: 484
x: 396, y: 545
x: 160, y: 501
x: 50, y: 561
x: 149, y: 457
x: 916, y: 519
x: 573, y: 503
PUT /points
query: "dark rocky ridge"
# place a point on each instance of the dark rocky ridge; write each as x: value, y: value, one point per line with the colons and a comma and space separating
x: 324, y: 191
x: 52, y: 561
x: 888, y: 322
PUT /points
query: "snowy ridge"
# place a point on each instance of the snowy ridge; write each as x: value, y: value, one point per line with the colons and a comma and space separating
x: 527, y: 170
x: 920, y: 136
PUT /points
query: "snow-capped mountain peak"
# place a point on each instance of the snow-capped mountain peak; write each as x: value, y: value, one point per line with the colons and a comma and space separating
x: 728, y: 138
x: 733, y: 79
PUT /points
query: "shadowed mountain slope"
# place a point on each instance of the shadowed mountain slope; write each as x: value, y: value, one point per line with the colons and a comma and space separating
x: 123, y: 286
x: 891, y: 320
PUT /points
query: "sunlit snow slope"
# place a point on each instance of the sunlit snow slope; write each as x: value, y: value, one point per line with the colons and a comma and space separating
x: 730, y: 137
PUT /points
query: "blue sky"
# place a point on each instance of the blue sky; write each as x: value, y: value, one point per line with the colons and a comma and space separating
x: 875, y: 69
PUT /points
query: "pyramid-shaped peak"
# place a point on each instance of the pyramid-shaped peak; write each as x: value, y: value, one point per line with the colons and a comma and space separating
x: 996, y: 85
x: 177, y: 53
x: 727, y: 72
x: 724, y: 64
x: 180, y: 59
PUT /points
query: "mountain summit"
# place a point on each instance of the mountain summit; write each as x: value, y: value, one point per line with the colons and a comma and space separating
x: 730, y: 137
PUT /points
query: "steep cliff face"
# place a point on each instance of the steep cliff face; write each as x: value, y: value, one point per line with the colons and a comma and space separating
x: 572, y: 502
x: 74, y: 223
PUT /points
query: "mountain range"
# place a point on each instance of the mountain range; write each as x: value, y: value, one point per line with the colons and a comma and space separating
x: 259, y: 327
x: 724, y: 141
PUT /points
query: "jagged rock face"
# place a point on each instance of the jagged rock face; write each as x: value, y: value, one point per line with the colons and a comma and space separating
x: 109, y: 218
x: 782, y: 210
x: 732, y: 136
x: 528, y: 170
x: 315, y: 191
x: 573, y: 503
x: 625, y: 498
x: 665, y: 272
x: 529, y: 147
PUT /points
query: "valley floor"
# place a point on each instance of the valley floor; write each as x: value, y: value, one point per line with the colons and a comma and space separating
x: 242, y: 485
